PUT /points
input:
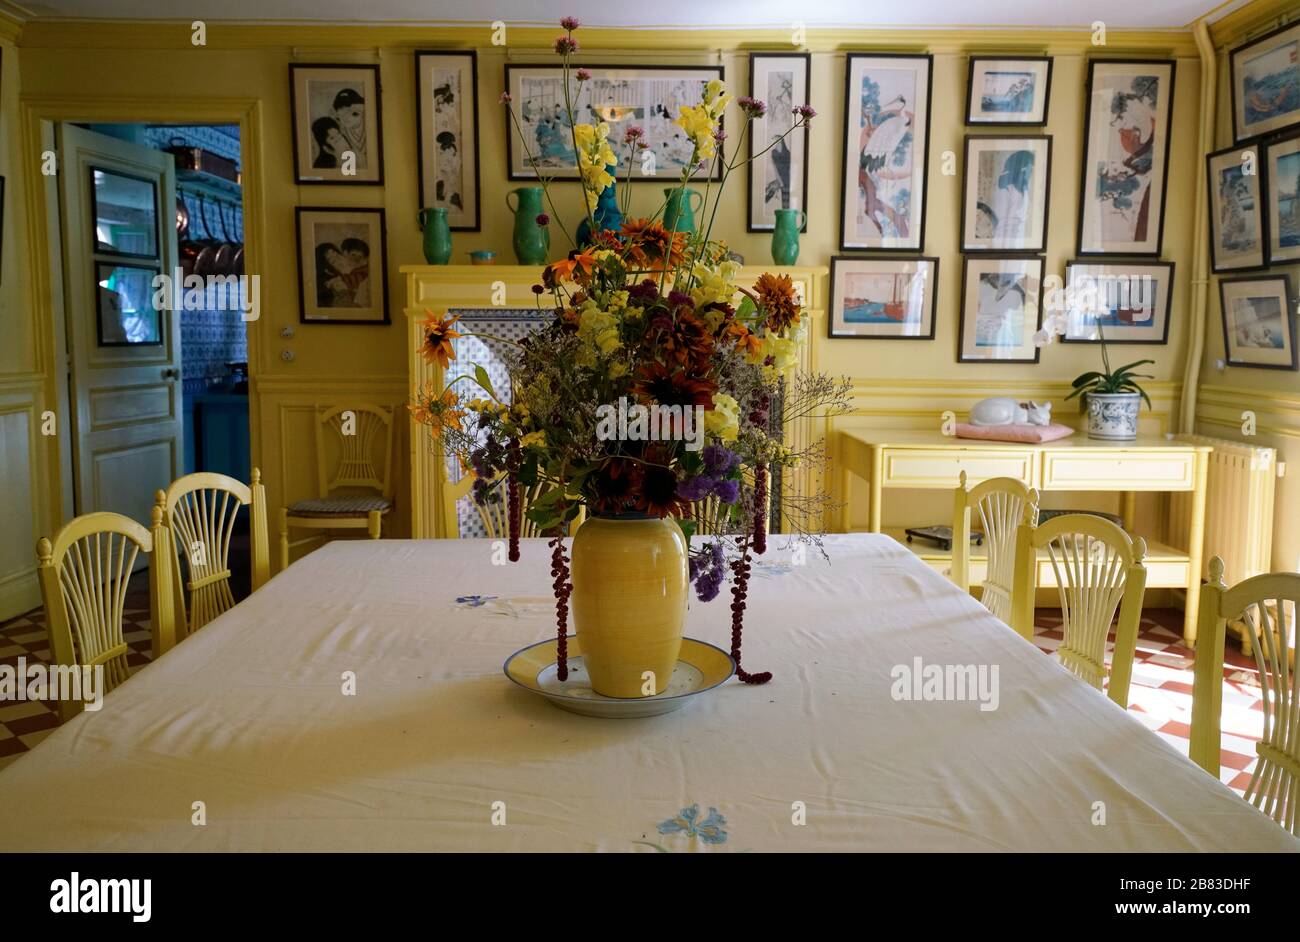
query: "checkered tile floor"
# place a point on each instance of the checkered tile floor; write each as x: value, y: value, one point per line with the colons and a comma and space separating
x: 1161, y: 693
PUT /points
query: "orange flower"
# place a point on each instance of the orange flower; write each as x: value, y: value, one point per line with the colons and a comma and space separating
x: 438, y: 411
x: 747, y: 342
x: 563, y: 271
x: 651, y: 246
x: 438, y: 336
x: 776, y: 298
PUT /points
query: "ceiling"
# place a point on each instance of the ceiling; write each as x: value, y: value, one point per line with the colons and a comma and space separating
x: 1116, y: 14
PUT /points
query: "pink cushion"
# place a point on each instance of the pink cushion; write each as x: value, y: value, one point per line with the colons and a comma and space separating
x: 1026, y: 434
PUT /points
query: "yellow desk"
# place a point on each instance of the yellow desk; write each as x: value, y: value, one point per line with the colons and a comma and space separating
x: 906, y: 458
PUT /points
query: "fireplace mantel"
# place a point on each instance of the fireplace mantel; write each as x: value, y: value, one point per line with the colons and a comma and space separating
x: 460, y: 287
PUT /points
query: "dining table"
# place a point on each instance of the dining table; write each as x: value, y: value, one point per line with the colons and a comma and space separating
x: 357, y: 702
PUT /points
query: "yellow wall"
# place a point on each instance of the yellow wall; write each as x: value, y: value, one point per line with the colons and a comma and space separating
x: 1273, y: 395
x: 153, y: 70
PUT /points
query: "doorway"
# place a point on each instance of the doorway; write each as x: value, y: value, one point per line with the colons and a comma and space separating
x: 155, y: 310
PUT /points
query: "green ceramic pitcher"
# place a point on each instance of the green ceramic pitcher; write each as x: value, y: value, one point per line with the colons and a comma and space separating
x: 532, y: 241
x: 785, y: 235
x: 437, y: 235
x: 679, y: 211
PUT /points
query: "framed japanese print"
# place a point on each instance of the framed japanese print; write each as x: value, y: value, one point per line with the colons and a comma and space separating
x: 886, y: 149
x: 1282, y: 183
x: 337, y: 126
x: 342, y: 257
x: 650, y: 98
x: 1008, y: 91
x: 1126, y: 156
x: 1257, y: 322
x: 1005, y: 193
x: 778, y: 175
x: 1119, y: 302
x: 1001, y: 309
x: 446, y: 94
x: 883, y: 298
x: 1266, y: 83
x: 1234, y: 177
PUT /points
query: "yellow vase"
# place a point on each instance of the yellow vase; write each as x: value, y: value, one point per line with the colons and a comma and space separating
x: 629, y: 601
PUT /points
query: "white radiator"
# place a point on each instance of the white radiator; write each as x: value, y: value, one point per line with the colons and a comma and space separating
x: 1238, y: 508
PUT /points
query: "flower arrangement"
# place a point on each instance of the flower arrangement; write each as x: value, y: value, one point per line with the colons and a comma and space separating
x: 656, y: 386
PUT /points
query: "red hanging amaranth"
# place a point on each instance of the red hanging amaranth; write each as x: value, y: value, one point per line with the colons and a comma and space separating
x: 739, y: 589
x: 512, y: 497
x: 562, y: 589
x: 760, y: 509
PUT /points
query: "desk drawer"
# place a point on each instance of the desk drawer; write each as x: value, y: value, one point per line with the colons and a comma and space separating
x: 1124, y: 471
x: 941, y: 467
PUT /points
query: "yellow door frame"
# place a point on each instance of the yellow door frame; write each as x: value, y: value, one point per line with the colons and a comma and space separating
x: 247, y: 113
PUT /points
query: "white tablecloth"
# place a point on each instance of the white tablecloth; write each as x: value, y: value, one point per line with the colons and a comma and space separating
x: 248, y: 717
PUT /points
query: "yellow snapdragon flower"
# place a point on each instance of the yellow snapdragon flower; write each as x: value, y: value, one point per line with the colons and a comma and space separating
x: 599, y: 328
x: 723, y: 420
x: 594, y: 157
x: 700, y: 122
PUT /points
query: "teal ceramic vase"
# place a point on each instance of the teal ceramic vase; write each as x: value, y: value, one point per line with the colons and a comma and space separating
x: 437, y: 235
x: 680, y: 210
x: 606, y: 214
x: 785, y: 235
x: 532, y: 241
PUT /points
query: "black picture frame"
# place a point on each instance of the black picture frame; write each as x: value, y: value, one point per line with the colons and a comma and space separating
x: 1237, y: 133
x: 2, y: 228
x: 421, y: 114
x: 295, y: 129
x: 1093, y: 63
x: 1120, y: 263
x: 987, y: 122
x: 892, y: 260
x: 750, y: 225
x: 961, y: 310
x: 966, y: 209
x: 103, y: 263
x: 103, y: 248
x: 919, y: 246
x: 1212, y: 206
x: 1272, y: 199
x: 1288, y: 315
x: 381, y: 279
x: 512, y: 135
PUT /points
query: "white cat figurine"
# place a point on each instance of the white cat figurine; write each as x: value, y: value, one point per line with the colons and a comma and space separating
x: 1003, y: 410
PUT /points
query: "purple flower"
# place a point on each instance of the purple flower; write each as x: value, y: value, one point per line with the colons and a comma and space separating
x: 505, y: 98
x: 538, y: 289
x: 697, y: 488
x: 752, y: 106
x: 719, y: 135
x: 680, y: 298
x: 728, y: 491
x: 719, y: 460
x: 647, y: 290
x: 633, y: 133
x: 583, y: 75
x: 566, y: 45
x: 570, y: 23
x: 806, y: 112
x: 543, y: 219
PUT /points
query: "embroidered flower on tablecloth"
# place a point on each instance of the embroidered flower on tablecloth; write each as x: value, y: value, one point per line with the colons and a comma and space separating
x: 710, y: 830
x: 474, y: 601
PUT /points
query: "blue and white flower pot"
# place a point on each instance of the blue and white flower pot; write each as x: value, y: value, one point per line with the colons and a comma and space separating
x: 1113, y: 417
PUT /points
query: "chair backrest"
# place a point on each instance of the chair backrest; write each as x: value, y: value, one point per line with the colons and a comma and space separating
x: 1270, y: 605
x: 200, y: 511
x: 495, y: 515
x: 360, y: 430
x: 1098, y: 568
x: 1000, y: 504
x: 84, y: 572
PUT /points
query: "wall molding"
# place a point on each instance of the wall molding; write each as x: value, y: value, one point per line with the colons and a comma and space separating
x: 1255, y: 18
x: 1276, y: 413
x: 175, y: 34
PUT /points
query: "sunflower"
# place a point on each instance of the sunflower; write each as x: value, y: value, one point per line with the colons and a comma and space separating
x: 439, y: 412
x: 617, y: 485
x: 684, y: 338
x: 438, y: 335
x: 668, y: 386
x: 776, y: 298
x: 650, y: 245
x: 659, y: 492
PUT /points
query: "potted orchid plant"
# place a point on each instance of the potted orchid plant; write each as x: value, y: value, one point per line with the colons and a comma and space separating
x: 646, y: 410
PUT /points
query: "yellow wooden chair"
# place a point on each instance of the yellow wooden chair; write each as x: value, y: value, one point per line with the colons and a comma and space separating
x: 1000, y: 503
x: 1098, y: 569
x: 83, y: 574
x: 200, y: 511
x: 357, y: 495
x: 1270, y: 604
